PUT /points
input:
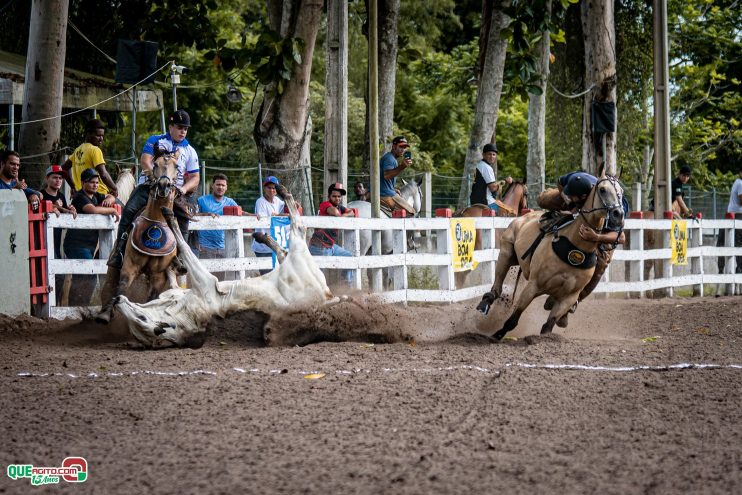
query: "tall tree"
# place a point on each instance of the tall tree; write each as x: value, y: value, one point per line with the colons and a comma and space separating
x: 488, y: 91
x: 44, y: 82
x: 283, y: 128
x: 536, y: 159
x: 599, y: 33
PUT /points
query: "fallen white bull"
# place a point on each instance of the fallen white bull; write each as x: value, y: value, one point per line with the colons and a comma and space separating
x: 179, y: 316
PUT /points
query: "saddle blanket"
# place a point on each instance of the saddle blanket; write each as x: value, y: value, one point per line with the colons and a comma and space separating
x: 152, y: 238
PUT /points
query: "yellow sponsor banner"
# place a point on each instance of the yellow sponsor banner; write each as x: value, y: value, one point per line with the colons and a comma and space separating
x: 679, y: 242
x: 463, y: 236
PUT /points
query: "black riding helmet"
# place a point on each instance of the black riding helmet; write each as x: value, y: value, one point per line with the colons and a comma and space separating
x: 580, y: 184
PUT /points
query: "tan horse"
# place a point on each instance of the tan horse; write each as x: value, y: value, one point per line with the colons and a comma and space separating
x: 514, y: 201
x: 544, y: 271
x: 151, y: 246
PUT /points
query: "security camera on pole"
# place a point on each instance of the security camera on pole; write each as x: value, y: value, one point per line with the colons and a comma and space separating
x: 175, y: 72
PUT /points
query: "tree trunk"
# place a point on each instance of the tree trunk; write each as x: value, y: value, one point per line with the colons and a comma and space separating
x: 488, y: 97
x: 42, y: 94
x: 536, y: 159
x: 283, y: 128
x: 598, y: 30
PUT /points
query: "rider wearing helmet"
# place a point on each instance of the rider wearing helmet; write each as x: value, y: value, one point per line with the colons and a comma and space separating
x: 570, y: 195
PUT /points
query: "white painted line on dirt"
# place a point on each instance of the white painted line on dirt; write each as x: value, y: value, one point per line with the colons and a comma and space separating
x: 355, y: 371
x: 583, y: 367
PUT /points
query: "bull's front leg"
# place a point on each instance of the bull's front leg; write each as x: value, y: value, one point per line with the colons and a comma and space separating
x: 271, y: 243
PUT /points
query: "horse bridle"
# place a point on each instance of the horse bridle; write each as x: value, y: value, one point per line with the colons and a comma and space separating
x: 158, y: 193
x: 606, y: 207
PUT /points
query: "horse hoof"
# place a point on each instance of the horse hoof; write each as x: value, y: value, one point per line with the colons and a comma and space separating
x: 563, y: 321
x: 499, y: 335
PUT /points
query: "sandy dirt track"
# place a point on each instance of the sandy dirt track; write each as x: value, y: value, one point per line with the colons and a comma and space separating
x: 441, y: 409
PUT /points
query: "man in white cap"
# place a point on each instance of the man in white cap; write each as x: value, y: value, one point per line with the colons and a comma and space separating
x: 266, y: 206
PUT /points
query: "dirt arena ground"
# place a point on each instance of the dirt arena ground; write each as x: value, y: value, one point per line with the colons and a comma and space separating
x: 440, y: 409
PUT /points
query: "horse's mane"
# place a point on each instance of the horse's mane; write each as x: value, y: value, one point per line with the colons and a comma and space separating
x: 125, y: 184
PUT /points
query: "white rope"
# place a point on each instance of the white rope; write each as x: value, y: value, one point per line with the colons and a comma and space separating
x: 576, y: 95
x: 111, y: 59
x: 355, y: 371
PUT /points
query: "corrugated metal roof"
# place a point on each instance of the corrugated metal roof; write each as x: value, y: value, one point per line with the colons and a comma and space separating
x: 81, y: 89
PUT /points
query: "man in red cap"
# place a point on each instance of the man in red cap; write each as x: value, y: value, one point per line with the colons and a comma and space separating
x: 390, y: 168
x: 324, y: 242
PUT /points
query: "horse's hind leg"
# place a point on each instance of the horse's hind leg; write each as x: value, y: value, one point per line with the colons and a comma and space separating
x: 524, y: 299
x: 159, y: 283
x: 558, y: 314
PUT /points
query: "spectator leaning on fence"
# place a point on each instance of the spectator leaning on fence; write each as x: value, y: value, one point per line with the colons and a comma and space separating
x: 52, y: 193
x: 735, y: 208
x: 82, y: 243
x: 89, y: 156
x: 324, y: 242
x: 10, y: 166
x: 676, y: 192
x: 268, y: 205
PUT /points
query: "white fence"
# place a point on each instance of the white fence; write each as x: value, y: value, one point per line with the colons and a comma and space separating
x: 439, y: 259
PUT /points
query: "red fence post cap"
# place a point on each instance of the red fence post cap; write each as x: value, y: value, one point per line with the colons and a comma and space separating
x: 636, y: 214
x: 487, y: 212
x: 443, y: 212
x: 667, y: 215
x: 399, y: 214
x: 233, y: 211
x: 729, y: 216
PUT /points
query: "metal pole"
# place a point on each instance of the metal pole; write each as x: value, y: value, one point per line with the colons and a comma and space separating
x: 134, y: 126
x: 95, y: 113
x: 175, y: 79
x: 162, y: 119
x: 260, y: 179
x: 11, y: 126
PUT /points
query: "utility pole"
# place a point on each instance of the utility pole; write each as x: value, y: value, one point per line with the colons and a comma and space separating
x: 662, y: 172
x: 373, y: 107
x: 336, y: 94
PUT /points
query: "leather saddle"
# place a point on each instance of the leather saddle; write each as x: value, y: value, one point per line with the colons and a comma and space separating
x: 152, y: 238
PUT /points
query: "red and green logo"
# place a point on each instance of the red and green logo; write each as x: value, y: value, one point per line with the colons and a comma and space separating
x: 72, y: 470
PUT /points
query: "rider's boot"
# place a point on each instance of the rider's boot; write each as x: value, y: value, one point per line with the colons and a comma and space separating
x: 116, y: 258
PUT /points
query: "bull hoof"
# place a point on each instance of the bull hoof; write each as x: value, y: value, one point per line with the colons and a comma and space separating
x: 103, y: 318
x: 549, y: 303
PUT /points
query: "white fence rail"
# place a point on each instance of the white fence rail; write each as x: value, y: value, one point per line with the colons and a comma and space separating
x: 439, y: 258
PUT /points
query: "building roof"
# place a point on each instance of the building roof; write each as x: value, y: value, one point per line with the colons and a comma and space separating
x: 81, y: 89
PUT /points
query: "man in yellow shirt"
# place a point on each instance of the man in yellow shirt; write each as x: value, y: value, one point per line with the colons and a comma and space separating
x: 89, y: 155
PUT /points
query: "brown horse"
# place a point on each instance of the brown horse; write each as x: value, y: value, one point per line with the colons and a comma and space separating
x: 562, y: 277
x: 151, y: 246
x: 514, y: 202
